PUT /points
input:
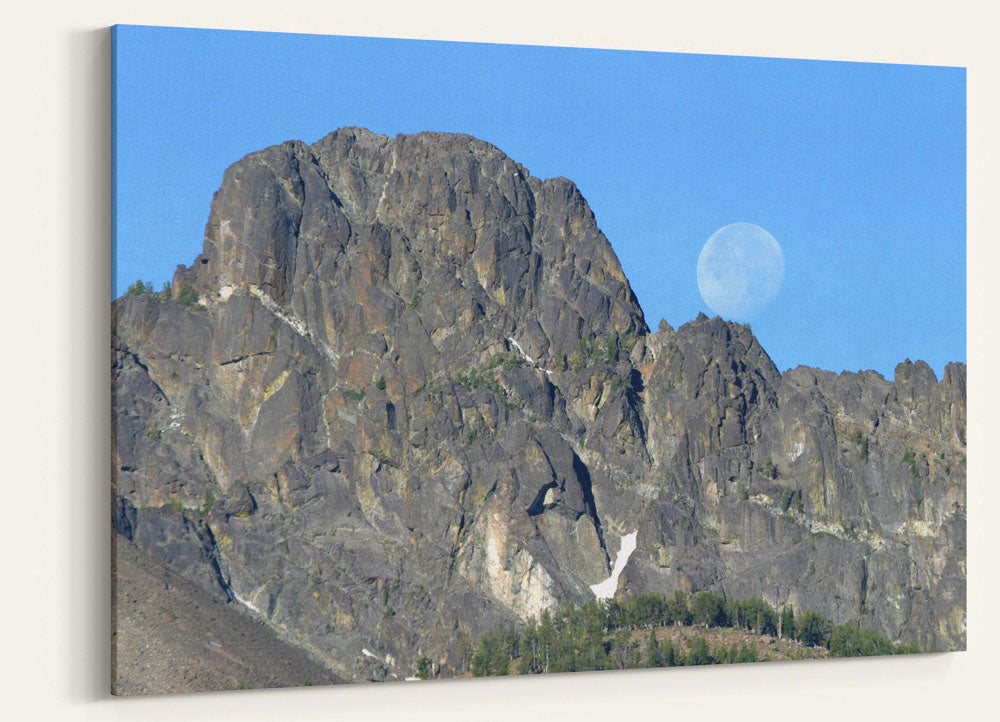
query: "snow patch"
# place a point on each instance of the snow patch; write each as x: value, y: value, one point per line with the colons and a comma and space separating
x: 607, y: 588
x: 798, y: 448
x: 225, y: 292
x: 526, y: 357
x: 520, y: 350
x: 175, y: 419
x: 389, y: 659
x: 245, y: 602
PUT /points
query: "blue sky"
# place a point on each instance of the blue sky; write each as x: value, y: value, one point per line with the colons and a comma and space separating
x: 857, y: 169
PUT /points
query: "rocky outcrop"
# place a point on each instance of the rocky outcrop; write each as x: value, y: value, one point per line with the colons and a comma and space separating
x: 417, y: 398
x: 170, y: 635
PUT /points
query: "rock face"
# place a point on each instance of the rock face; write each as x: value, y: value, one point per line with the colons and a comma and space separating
x: 417, y: 398
x: 170, y: 636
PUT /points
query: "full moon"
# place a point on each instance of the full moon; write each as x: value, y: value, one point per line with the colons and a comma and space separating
x: 740, y: 270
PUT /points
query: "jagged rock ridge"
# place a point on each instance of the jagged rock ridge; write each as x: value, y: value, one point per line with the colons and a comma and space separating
x: 419, y: 398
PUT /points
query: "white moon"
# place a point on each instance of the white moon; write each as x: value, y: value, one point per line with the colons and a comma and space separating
x: 740, y: 270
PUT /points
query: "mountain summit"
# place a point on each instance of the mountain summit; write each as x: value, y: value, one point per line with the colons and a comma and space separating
x: 406, y: 393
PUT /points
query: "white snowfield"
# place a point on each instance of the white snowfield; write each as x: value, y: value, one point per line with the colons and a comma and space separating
x: 526, y: 357
x: 389, y: 659
x: 607, y: 588
x: 520, y: 350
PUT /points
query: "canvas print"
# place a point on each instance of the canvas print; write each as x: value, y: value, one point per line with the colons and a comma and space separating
x: 438, y: 360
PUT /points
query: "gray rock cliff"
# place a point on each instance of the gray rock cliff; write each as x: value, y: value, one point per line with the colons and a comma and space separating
x: 417, y: 398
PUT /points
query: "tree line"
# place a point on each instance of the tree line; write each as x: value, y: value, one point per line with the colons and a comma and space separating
x: 610, y: 634
x: 186, y: 294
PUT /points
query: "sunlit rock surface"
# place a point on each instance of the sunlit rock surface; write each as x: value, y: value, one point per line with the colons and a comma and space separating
x: 418, y: 398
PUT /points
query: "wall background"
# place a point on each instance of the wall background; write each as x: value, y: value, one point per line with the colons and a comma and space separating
x: 56, y: 245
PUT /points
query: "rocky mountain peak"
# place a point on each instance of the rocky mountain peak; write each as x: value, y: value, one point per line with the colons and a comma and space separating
x: 396, y: 215
x: 406, y: 393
